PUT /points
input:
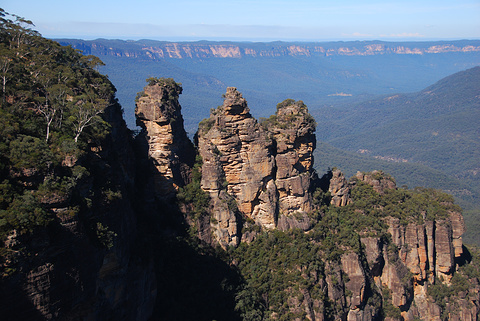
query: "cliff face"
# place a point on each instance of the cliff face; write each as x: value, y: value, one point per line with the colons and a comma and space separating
x: 265, y: 169
x: 418, y: 256
x: 84, y: 265
x: 357, y: 249
x: 259, y: 177
x: 165, y: 50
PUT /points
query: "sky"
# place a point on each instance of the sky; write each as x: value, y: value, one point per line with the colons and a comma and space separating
x: 252, y: 20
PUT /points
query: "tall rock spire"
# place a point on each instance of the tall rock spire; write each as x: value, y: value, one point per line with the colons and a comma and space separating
x: 158, y: 113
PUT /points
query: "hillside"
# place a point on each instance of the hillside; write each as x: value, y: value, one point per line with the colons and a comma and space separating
x: 436, y: 127
x: 318, y: 73
x: 68, y: 223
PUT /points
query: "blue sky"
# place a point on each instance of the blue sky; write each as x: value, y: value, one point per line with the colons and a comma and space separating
x: 255, y: 20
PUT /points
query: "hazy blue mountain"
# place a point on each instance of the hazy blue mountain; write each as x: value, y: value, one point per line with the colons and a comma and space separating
x: 437, y: 126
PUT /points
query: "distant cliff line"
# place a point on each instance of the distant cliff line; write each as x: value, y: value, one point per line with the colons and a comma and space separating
x: 151, y: 49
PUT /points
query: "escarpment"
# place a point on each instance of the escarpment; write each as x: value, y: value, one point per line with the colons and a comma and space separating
x: 299, y: 247
x: 98, y: 224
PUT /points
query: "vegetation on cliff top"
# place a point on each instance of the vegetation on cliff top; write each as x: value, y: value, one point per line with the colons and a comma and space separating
x: 52, y: 101
x: 285, y: 120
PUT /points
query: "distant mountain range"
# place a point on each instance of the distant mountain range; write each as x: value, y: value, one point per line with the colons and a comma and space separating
x: 266, y: 73
x: 151, y: 49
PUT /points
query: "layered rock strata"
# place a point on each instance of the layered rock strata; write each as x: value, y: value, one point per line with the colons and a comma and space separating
x: 418, y: 255
x: 293, y: 133
x: 266, y: 169
x: 158, y: 113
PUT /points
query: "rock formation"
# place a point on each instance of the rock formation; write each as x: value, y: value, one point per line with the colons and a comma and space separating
x: 265, y: 168
x: 171, y: 152
x: 199, y: 50
x: 419, y: 255
x: 339, y: 188
x: 261, y: 174
x: 293, y: 132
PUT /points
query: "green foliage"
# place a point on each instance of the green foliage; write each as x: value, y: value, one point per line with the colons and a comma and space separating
x: 30, y: 152
x: 24, y: 214
x: 389, y: 310
x: 446, y: 295
x: 277, y: 265
x: 104, y: 235
x: 414, y: 205
x: 167, y: 82
x: 140, y: 95
x: 193, y: 193
x: 52, y: 102
x: 472, y: 270
x: 340, y: 227
x: 205, y: 125
x: 56, y: 89
x: 249, y: 304
x: 286, y: 103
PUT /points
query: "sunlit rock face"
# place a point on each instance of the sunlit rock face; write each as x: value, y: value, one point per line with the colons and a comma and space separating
x: 266, y: 168
x: 158, y: 113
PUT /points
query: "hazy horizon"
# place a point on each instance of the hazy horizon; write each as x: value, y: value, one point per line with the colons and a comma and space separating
x: 254, y: 21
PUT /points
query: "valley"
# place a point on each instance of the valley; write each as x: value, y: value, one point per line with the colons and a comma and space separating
x: 224, y: 209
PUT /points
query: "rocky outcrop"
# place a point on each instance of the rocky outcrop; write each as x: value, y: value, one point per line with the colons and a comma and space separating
x: 418, y: 255
x: 259, y: 175
x: 265, y: 168
x: 293, y: 132
x: 339, y: 188
x: 237, y: 168
x: 378, y: 179
x: 170, y: 150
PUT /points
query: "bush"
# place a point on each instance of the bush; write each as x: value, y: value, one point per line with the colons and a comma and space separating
x: 193, y: 193
x: 30, y: 152
x: 104, y: 235
x: 24, y: 214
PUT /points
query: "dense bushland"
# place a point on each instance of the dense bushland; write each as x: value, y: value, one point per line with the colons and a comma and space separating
x: 52, y: 101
